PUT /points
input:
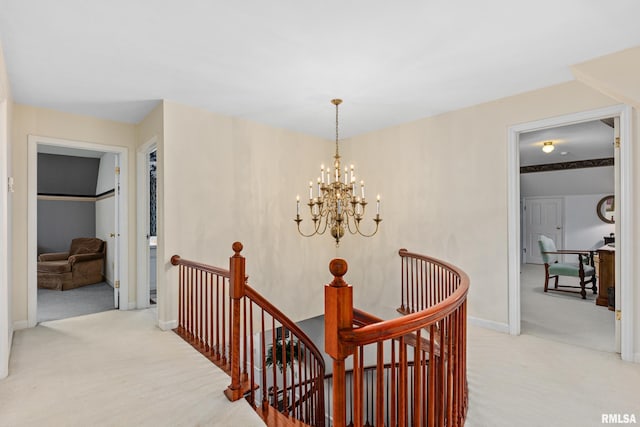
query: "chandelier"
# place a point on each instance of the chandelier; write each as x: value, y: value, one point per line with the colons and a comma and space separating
x: 337, y: 204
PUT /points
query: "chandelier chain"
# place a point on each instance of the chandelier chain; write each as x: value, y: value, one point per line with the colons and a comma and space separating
x: 337, y: 154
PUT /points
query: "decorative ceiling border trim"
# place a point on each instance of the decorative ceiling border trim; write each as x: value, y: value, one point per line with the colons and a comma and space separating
x: 579, y: 164
x: 77, y: 197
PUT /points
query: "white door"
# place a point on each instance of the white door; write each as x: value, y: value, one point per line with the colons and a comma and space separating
x: 116, y: 238
x: 543, y: 216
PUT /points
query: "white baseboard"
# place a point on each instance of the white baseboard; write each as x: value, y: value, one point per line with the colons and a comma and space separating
x: 636, y: 358
x: 489, y: 324
x: 20, y: 324
x: 167, y: 325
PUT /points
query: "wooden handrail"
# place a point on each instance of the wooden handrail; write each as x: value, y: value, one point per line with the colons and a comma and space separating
x: 177, y: 260
x: 395, y: 328
x: 406, y: 254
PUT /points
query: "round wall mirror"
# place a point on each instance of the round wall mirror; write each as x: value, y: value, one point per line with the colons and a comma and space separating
x: 606, y: 209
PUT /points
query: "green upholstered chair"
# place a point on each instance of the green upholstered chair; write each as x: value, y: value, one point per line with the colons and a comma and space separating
x: 583, y: 269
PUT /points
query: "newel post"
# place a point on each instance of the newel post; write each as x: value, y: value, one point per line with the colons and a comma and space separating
x: 338, y: 315
x: 237, y: 279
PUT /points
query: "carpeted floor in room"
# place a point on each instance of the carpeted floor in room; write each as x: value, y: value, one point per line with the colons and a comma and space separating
x: 116, y: 368
x: 55, y: 305
x: 563, y: 317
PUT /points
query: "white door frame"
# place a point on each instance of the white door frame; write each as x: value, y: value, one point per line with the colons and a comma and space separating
x: 6, y: 328
x: 32, y: 214
x: 624, y: 252
x: 142, y: 159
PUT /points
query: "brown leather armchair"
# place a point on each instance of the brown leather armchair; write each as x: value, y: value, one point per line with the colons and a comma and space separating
x: 82, y: 265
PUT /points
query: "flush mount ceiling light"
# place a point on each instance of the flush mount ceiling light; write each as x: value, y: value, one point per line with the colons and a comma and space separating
x: 548, y: 147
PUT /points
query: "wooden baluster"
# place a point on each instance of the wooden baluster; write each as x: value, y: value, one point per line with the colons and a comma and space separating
x: 223, y: 317
x: 285, y: 366
x: 431, y: 394
x: 237, y: 273
x: 338, y: 308
x: 412, y: 304
x: 402, y: 281
x: 200, y: 311
x: 417, y: 389
x: 394, y: 387
x: 441, y: 374
x: 402, y: 381
x: 206, y: 313
x: 379, y: 400
x: 358, y: 389
x: 192, y: 315
x: 451, y: 361
x: 246, y: 336
x: 263, y: 350
x: 217, y: 319
x: 274, y: 401
x: 252, y: 361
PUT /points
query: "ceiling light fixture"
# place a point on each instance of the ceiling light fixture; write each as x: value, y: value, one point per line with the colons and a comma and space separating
x: 548, y: 147
x: 337, y: 205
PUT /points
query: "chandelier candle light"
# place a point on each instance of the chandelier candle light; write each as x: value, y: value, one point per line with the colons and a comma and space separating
x: 337, y: 204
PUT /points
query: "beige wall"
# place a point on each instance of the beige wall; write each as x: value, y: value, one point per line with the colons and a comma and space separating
x: 443, y: 182
x: 227, y: 180
x: 54, y: 124
x: 615, y: 75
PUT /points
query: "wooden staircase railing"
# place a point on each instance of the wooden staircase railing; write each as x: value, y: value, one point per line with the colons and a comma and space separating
x: 406, y: 371
x: 204, y: 310
x: 271, y: 361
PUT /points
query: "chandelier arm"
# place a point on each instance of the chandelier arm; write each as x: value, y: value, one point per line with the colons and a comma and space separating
x: 307, y: 235
x: 317, y: 225
x: 377, y: 220
x: 349, y: 226
x: 326, y: 224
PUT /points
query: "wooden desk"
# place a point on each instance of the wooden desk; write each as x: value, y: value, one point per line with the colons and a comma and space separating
x: 606, y: 272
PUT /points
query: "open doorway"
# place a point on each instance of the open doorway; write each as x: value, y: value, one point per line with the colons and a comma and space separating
x: 623, y: 196
x: 147, y: 292
x: 153, y: 223
x: 75, y: 232
x: 76, y: 220
x: 565, y: 172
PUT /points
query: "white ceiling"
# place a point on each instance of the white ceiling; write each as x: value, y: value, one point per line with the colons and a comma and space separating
x: 280, y: 62
x: 581, y: 141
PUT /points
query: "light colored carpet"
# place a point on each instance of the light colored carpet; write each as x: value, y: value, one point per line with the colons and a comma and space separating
x: 54, y: 305
x: 563, y: 317
x: 527, y: 381
x: 114, y: 368
x: 118, y: 369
